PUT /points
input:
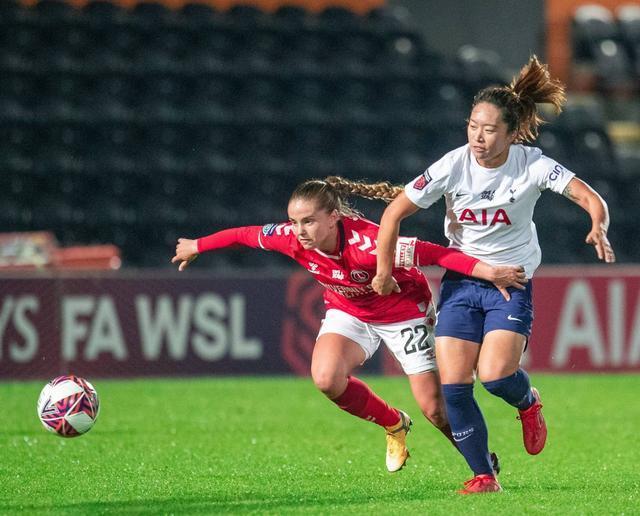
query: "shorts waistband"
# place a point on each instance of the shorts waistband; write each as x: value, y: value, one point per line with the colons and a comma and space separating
x: 457, y: 276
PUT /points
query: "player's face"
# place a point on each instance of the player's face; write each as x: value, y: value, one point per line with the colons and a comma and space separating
x: 313, y: 227
x: 488, y: 135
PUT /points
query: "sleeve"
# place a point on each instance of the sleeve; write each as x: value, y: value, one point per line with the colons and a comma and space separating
x: 411, y: 252
x: 270, y: 237
x: 549, y: 174
x: 247, y: 236
x: 432, y: 184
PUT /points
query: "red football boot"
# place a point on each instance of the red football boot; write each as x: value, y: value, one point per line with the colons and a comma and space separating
x: 481, y: 484
x: 534, y: 429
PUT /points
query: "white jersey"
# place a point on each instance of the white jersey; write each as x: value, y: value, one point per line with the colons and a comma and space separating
x: 490, y: 210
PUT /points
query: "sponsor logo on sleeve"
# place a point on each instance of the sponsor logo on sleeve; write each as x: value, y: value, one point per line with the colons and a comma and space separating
x: 268, y: 229
x: 422, y: 181
x: 557, y: 171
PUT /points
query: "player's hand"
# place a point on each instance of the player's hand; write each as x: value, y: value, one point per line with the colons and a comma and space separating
x: 186, y: 252
x: 504, y: 276
x: 598, y: 238
x: 384, y: 285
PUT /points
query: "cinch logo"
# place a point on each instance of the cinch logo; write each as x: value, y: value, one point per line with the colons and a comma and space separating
x: 482, y: 217
x: 556, y: 172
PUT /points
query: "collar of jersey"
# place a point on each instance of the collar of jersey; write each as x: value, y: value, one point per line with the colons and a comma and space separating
x: 477, y: 166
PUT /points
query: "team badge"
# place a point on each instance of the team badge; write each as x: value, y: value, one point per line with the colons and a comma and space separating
x: 422, y: 181
x: 359, y: 276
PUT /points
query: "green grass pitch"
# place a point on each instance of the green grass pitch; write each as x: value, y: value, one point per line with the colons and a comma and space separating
x: 277, y: 446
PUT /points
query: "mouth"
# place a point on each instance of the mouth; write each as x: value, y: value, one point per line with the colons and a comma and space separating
x: 479, y: 149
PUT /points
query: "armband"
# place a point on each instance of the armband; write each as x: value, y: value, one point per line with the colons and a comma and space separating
x: 405, y: 252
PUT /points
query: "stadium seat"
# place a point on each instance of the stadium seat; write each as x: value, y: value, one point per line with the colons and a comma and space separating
x: 594, y: 154
x: 557, y: 144
x: 628, y: 17
x: 262, y: 98
x: 308, y: 99
x: 246, y: 14
x: 56, y: 11
x: 388, y: 17
x: 104, y: 11
x: 582, y: 115
x: 10, y: 10
x: 592, y: 24
x: 212, y: 98
x: 402, y: 52
x: 291, y: 15
x: 339, y: 17
x: 354, y: 100
x: 481, y: 67
x: 151, y: 14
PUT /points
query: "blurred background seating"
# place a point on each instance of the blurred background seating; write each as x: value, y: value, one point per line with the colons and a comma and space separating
x: 135, y: 126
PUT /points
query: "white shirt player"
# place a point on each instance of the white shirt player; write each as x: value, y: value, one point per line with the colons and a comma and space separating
x: 490, y: 211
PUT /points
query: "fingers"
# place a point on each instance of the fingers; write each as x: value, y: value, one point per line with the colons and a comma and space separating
x: 396, y: 288
x: 183, y: 265
x: 603, y: 247
x: 505, y: 293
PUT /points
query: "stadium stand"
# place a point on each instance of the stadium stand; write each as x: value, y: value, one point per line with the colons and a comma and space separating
x: 136, y: 126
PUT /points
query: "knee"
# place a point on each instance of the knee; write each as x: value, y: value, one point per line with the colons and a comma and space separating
x: 458, y: 393
x: 435, y: 413
x: 328, y: 381
x: 487, y: 376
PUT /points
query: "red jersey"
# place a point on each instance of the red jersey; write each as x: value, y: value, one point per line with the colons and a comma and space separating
x: 346, y: 276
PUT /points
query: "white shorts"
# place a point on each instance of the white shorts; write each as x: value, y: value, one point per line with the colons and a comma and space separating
x: 411, y: 342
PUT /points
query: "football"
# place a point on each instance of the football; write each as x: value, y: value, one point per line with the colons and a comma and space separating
x: 68, y: 406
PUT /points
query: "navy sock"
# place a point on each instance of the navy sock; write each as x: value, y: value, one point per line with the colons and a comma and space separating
x: 467, y: 426
x: 514, y: 389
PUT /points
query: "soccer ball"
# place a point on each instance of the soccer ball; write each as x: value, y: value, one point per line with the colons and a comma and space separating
x: 68, y: 406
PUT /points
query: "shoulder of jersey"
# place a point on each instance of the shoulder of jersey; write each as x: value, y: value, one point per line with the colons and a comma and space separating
x: 532, y: 153
x: 361, y: 234
x: 456, y: 157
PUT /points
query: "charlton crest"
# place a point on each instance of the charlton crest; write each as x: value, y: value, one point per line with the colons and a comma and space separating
x: 359, y: 276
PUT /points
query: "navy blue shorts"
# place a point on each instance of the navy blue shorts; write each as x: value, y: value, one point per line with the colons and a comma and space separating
x: 469, y: 308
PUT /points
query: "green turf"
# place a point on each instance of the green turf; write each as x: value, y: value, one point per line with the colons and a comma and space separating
x: 276, y: 446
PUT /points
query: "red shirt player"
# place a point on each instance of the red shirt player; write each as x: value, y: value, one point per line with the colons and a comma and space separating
x: 338, y: 246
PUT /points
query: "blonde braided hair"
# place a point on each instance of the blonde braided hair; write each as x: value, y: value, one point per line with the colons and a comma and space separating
x: 331, y: 193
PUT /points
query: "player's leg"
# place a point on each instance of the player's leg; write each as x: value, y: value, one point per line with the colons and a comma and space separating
x: 457, y: 360
x: 507, y: 327
x: 343, y: 345
x: 427, y: 391
x: 500, y: 372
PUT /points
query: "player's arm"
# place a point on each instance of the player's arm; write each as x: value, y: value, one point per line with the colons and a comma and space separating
x: 502, y: 276
x: 401, y: 207
x: 589, y: 200
x: 188, y: 249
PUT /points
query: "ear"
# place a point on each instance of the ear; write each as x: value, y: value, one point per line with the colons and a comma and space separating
x: 334, y: 217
